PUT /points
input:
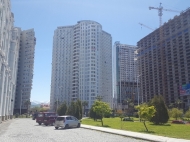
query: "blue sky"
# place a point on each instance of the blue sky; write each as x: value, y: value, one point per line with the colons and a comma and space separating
x: 120, y: 18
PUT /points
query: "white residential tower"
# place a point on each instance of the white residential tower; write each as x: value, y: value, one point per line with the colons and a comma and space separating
x: 82, y: 64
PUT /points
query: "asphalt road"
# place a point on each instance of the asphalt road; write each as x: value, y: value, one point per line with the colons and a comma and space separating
x: 27, y: 130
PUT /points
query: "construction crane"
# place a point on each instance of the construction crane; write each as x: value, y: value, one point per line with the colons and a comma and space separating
x: 160, y: 9
x: 146, y: 26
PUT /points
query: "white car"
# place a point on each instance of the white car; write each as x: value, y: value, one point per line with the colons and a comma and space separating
x: 66, y: 121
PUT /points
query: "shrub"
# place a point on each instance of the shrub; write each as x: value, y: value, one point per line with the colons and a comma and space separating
x: 187, y: 113
x: 16, y: 115
x: 176, y: 113
x: 135, y: 114
x: 128, y: 119
x: 161, y: 116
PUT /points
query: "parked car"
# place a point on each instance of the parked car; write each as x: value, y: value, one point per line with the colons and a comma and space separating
x: 128, y: 119
x: 50, y: 120
x: 42, y: 116
x: 178, y: 122
x: 66, y: 122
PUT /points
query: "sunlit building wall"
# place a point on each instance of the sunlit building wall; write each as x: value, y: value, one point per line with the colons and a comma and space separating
x: 7, y: 81
x: 25, y: 70
x: 81, y: 64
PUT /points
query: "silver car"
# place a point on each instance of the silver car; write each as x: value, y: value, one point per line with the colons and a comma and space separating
x: 66, y: 121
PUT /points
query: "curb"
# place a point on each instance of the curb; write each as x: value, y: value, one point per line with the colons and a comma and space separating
x: 136, y: 135
x: 119, y: 134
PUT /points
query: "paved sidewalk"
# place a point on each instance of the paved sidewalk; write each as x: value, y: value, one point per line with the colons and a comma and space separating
x: 148, y: 137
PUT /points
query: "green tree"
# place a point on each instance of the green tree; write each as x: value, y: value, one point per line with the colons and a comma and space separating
x: 178, y: 102
x: 161, y: 116
x: 84, y: 104
x: 120, y: 114
x: 93, y: 114
x: 102, y: 109
x: 171, y: 106
x: 56, y: 105
x: 27, y: 103
x: 187, y: 113
x: 71, y: 109
x: 145, y: 112
x: 130, y: 104
x: 75, y: 109
x: 43, y: 109
x: 176, y: 113
x: 36, y: 108
x: 78, y: 109
x: 62, y: 109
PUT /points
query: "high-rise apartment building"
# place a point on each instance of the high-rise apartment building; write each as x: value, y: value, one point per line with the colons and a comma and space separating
x: 7, y: 81
x: 25, y: 70
x: 16, y: 63
x: 81, y: 64
x: 164, y: 58
x: 125, y: 71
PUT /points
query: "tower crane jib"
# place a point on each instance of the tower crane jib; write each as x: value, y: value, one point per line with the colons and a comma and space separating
x: 160, y: 11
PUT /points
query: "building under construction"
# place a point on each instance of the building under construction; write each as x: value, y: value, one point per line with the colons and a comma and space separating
x: 126, y: 83
x: 164, y: 62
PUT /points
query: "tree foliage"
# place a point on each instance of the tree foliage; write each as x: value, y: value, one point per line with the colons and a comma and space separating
x: 62, y: 109
x: 93, y: 114
x: 145, y: 112
x: 130, y: 104
x: 176, y: 113
x: 56, y: 105
x: 120, y: 114
x: 78, y: 111
x: 27, y: 103
x: 161, y: 116
x: 34, y: 109
x: 177, y: 103
x: 84, y: 104
x: 71, y: 109
x: 75, y: 109
x: 187, y: 113
x: 101, y: 109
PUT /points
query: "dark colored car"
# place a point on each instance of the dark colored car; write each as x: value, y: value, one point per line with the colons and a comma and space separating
x: 50, y: 120
x: 42, y: 116
x: 178, y: 122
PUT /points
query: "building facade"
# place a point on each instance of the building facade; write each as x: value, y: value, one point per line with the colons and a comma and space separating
x: 164, y: 61
x: 125, y: 80
x: 16, y: 63
x: 25, y: 70
x: 7, y: 81
x: 81, y: 64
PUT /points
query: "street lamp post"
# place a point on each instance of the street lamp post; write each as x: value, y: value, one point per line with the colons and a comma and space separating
x: 138, y: 88
x: 137, y: 74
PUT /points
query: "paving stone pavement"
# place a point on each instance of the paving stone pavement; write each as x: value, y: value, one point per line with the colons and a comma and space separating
x: 27, y: 130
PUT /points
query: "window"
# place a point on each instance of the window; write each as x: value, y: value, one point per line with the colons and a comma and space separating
x: 68, y: 118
